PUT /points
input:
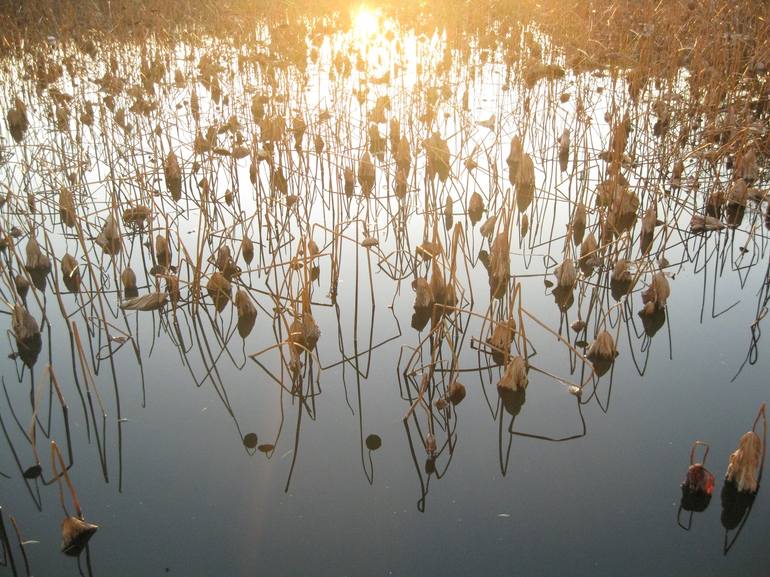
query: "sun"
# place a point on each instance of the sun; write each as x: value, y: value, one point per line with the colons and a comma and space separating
x: 365, y: 21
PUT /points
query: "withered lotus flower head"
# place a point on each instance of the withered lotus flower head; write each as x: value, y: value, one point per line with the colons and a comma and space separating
x: 366, y: 174
x: 488, y: 228
x: 247, y: 249
x: 136, y: 215
x: 36, y: 260
x: 603, y: 348
x: 578, y: 224
x: 455, y: 392
x: 369, y: 241
x: 67, y: 212
x: 515, y: 376
x: 109, y: 237
x: 173, y: 175
x: 162, y: 251
x: 745, y: 461
x: 70, y: 273
x: 514, y: 159
x: 128, y: 280
x: 219, y: 289
x: 656, y: 295
x: 423, y: 294
x: 475, y: 208
x: 499, y: 265
x: 589, y: 255
x: 247, y: 312
x: 22, y: 285
x: 500, y: 340
x: 698, y: 479
x: 565, y: 274
x: 75, y: 534
x: 525, y: 183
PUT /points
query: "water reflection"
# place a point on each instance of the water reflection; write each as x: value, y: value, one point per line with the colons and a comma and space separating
x: 239, y: 212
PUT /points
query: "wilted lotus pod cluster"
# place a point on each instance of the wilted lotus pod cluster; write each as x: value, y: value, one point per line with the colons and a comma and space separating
x: 109, y: 237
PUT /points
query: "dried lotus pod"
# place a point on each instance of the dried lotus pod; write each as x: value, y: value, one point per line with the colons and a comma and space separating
x: 22, y: 285
x: 455, y: 392
x: 162, y: 251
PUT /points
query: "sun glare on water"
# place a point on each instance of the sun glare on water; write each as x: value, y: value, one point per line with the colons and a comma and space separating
x: 365, y: 21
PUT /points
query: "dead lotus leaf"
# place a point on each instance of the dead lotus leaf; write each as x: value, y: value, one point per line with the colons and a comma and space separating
x: 148, y: 302
x: 75, y: 534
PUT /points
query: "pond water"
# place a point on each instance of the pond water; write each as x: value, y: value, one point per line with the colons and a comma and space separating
x: 202, y: 443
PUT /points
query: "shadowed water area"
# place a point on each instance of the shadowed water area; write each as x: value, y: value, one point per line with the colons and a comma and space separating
x: 360, y: 296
